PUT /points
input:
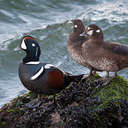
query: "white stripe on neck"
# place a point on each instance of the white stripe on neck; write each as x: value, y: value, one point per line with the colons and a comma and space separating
x: 37, y: 74
x: 33, y: 62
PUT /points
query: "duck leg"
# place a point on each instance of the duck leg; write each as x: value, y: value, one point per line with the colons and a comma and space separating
x: 116, y: 74
x: 92, y: 72
x: 107, y: 78
x: 107, y: 75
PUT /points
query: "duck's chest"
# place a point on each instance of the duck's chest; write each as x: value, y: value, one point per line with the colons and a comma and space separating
x: 27, y: 71
x: 75, y: 52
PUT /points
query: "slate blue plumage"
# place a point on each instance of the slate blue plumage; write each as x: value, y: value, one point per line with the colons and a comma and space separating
x: 41, y: 77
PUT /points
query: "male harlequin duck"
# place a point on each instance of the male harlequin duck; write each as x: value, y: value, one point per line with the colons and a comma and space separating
x: 41, y: 77
x: 104, y: 55
x: 75, y: 43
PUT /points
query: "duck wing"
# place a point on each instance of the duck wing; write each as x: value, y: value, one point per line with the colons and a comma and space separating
x: 116, y: 48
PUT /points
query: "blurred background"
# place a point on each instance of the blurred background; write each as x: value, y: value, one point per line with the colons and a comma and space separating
x: 48, y: 22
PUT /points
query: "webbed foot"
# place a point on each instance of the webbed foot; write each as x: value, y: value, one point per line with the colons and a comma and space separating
x: 106, y: 80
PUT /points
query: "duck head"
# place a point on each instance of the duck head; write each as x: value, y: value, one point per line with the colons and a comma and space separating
x: 78, y: 26
x: 93, y: 32
x: 32, y: 49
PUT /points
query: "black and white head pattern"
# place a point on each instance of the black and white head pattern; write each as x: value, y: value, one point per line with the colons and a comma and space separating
x: 32, y: 49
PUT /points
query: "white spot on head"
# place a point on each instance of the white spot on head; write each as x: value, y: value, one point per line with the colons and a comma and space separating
x: 75, y: 26
x: 98, y: 30
x: 33, y: 45
x: 89, y: 28
x: 90, y: 32
x: 23, y: 45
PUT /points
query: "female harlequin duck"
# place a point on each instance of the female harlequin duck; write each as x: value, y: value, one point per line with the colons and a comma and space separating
x: 41, y: 77
x: 104, y: 55
x: 75, y: 43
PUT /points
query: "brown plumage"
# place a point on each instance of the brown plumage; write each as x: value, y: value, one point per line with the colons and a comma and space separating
x: 75, y: 43
x: 104, y: 55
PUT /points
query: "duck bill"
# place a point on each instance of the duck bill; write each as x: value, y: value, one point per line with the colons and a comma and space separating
x: 83, y: 34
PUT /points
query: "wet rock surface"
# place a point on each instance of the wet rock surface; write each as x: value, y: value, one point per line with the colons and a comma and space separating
x: 80, y: 105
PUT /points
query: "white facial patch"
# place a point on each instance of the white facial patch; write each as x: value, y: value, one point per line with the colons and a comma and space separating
x: 89, y: 28
x: 75, y: 26
x: 37, y: 74
x: 98, y: 30
x: 23, y: 45
x: 47, y: 66
x: 90, y: 32
x: 33, y: 45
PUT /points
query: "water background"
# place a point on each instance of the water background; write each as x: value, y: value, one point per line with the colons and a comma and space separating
x: 48, y: 21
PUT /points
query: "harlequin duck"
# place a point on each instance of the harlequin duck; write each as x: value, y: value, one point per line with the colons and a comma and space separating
x: 41, y: 77
x: 104, y: 55
x: 75, y: 43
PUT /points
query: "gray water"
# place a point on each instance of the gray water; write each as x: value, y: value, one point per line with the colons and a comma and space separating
x: 48, y: 21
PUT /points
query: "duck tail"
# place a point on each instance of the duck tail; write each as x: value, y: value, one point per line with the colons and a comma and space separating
x: 71, y: 78
x: 124, y: 64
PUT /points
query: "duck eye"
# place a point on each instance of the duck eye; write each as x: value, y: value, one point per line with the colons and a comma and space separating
x: 75, y: 26
x: 33, y: 45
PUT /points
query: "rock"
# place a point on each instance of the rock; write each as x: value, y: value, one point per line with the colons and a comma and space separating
x: 82, y: 104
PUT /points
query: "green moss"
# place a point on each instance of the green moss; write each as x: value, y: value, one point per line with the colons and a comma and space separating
x: 92, y: 78
x: 2, y: 124
x: 50, y: 96
x: 30, y: 95
x: 117, y: 89
x: 14, y: 110
x: 67, y: 87
x: 19, y: 103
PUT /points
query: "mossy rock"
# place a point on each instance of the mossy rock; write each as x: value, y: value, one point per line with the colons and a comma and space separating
x: 117, y: 89
x: 81, y: 104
